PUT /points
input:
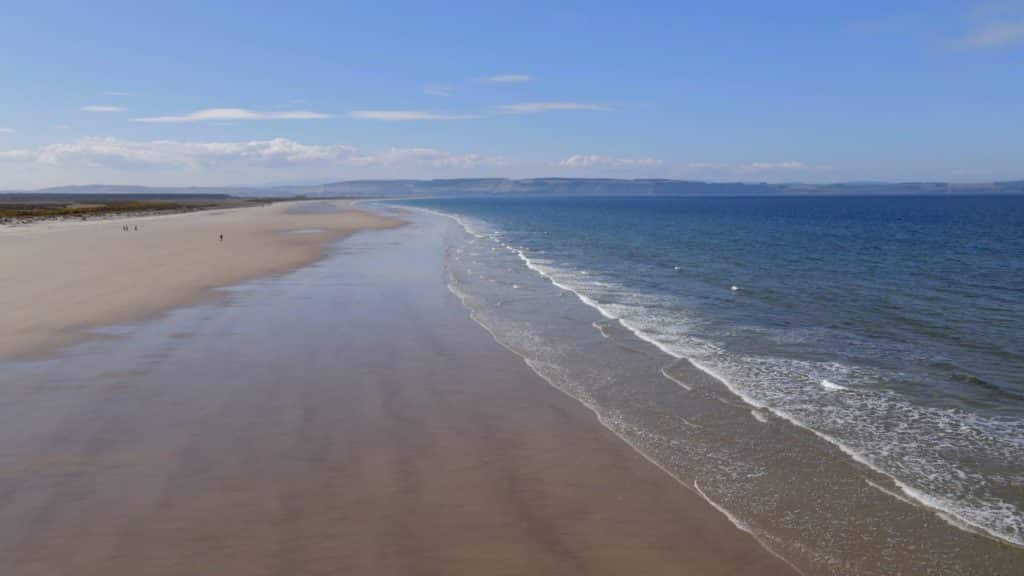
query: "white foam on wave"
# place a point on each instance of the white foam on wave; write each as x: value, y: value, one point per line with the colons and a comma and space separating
x: 972, y: 520
x: 586, y: 300
x: 967, y: 519
x: 604, y: 419
x: 469, y: 228
x: 890, y: 493
x: 954, y: 514
x: 721, y: 509
x: 917, y: 498
x: 829, y: 385
x: 741, y: 524
x: 683, y: 385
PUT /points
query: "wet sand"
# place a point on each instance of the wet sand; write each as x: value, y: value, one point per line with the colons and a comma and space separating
x: 347, y: 418
x: 61, y: 278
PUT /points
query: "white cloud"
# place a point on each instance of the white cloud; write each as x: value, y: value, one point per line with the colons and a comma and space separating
x: 120, y: 94
x: 766, y: 171
x: 96, y: 108
x: 994, y: 34
x: 432, y: 157
x: 438, y: 89
x: 214, y: 114
x: 6, y: 130
x: 508, y: 79
x: 596, y: 161
x: 280, y: 153
x: 406, y: 115
x: 706, y: 166
x: 121, y: 153
x: 536, y: 107
x: 772, y: 166
x: 257, y: 161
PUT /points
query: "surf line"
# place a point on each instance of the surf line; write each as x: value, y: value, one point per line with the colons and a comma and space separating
x: 742, y: 526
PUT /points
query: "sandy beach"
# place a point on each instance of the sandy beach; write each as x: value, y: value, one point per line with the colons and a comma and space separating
x: 62, y: 278
x: 346, y: 418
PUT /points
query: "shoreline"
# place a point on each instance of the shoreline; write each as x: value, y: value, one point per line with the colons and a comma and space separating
x: 682, y: 427
x: 899, y: 489
x: 376, y: 429
x: 64, y: 278
x: 694, y: 488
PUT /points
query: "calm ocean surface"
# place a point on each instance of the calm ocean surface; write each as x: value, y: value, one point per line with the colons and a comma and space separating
x: 893, y: 328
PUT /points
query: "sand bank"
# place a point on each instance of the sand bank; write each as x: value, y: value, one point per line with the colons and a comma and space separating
x: 58, y: 279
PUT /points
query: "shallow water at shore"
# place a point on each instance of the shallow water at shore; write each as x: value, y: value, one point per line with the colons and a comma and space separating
x: 805, y: 494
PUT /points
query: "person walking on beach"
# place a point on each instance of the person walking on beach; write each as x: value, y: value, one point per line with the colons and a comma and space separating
x: 221, y: 237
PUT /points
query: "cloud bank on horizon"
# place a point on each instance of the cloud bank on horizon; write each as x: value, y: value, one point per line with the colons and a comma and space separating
x: 658, y: 90
x: 180, y: 163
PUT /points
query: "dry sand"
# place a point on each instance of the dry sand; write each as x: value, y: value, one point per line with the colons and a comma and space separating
x: 58, y: 279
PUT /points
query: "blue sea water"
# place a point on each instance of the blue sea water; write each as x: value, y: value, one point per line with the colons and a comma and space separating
x: 891, y: 327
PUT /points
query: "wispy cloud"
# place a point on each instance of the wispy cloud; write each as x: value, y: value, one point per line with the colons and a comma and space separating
x: 120, y: 94
x: 770, y: 171
x: 438, y: 89
x: 116, y: 152
x: 433, y: 157
x: 281, y: 153
x: 407, y: 115
x: 537, y: 107
x: 995, y: 25
x: 598, y: 161
x: 772, y: 166
x: 705, y: 166
x: 101, y: 109
x: 6, y: 130
x: 507, y: 79
x: 994, y: 34
x: 222, y: 114
x: 749, y: 168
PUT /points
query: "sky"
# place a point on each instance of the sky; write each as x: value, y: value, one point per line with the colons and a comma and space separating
x: 264, y: 93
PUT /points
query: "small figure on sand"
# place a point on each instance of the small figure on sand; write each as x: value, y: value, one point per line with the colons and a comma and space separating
x: 136, y: 228
x: 221, y: 237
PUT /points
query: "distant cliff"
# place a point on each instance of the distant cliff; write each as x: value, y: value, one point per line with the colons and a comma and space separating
x: 592, y: 186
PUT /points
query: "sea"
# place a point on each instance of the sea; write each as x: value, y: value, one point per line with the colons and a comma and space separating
x: 843, y: 377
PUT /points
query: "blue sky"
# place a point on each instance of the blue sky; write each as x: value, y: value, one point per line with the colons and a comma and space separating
x: 209, y: 93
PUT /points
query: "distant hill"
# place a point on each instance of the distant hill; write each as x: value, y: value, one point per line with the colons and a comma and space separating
x: 554, y: 186
x: 600, y: 186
